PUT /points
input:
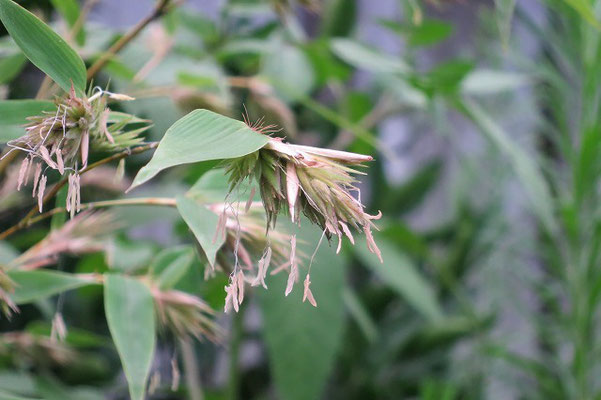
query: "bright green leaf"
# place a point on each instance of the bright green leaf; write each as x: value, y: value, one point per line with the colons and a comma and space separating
x: 203, y: 223
x: 586, y: 11
x: 487, y: 82
x: 201, y: 135
x: 43, y: 47
x: 36, y: 285
x: 399, y: 272
x: 363, y: 57
x: 301, y: 340
x: 129, y: 309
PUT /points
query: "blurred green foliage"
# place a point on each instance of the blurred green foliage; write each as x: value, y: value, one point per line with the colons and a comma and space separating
x: 490, y: 283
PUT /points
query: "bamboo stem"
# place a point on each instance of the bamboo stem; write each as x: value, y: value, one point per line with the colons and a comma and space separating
x: 25, y: 221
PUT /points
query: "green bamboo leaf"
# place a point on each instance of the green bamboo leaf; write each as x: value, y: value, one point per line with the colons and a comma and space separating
x: 35, y: 285
x: 14, y: 113
x: 43, y: 47
x: 175, y: 270
x: 203, y: 223
x: 360, y: 56
x: 201, y: 135
x: 399, y: 272
x: 129, y: 309
x: 301, y: 340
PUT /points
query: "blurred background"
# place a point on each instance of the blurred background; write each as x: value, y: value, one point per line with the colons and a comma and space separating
x: 483, y: 118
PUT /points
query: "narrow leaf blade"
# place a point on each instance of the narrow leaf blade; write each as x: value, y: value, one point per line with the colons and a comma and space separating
x: 36, y: 285
x: 402, y: 275
x: 129, y: 309
x: 203, y: 223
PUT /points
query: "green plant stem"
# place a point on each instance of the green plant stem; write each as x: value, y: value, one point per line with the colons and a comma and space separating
x: 24, y: 222
x: 191, y: 370
x: 233, y: 386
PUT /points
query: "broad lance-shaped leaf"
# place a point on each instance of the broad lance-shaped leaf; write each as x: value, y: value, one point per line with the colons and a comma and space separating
x: 201, y: 135
x: 44, y: 47
x: 14, y: 113
x: 129, y: 309
x: 35, y: 285
x: 203, y: 223
x: 400, y: 274
x: 302, y: 340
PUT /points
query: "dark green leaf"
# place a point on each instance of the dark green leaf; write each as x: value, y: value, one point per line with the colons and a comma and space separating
x: 301, y: 340
x: 44, y: 48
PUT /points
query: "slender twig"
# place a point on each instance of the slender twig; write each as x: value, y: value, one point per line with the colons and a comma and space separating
x: 24, y: 222
x: 237, y: 333
x: 142, y: 201
x: 191, y: 370
x: 159, y: 9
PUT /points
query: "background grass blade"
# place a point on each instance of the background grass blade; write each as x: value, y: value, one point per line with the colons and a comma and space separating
x: 525, y: 168
x: 400, y: 274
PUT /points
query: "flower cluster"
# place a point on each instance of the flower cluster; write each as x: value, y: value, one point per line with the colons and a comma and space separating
x: 61, y: 140
x: 185, y: 314
x: 80, y: 235
x: 317, y: 182
x: 245, y: 239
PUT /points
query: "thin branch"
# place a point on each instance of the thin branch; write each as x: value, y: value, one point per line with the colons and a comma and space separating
x: 159, y: 9
x: 23, y: 223
x: 143, y: 201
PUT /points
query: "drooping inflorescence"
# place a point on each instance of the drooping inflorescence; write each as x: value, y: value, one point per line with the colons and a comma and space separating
x: 305, y: 180
x: 61, y: 140
x: 309, y: 180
